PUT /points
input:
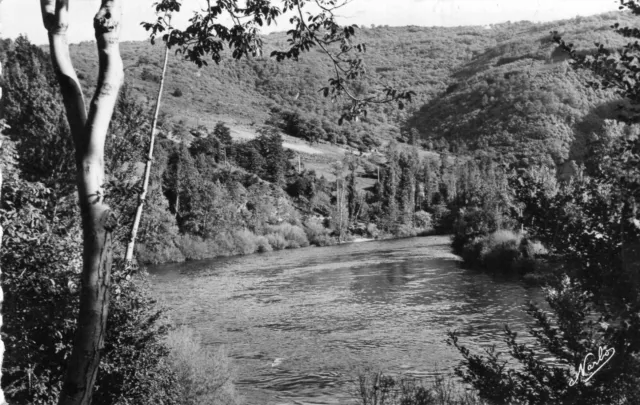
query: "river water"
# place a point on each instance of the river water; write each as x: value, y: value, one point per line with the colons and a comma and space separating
x: 299, y: 324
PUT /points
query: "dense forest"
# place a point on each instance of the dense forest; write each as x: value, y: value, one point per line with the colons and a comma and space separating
x: 506, y: 146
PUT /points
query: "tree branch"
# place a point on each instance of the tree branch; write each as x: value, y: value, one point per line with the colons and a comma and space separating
x: 55, y: 16
x: 110, y: 78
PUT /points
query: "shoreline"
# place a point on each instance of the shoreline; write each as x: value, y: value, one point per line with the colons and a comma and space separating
x: 355, y: 240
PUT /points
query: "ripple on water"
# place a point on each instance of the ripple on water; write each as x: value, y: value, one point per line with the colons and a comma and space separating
x: 298, y: 323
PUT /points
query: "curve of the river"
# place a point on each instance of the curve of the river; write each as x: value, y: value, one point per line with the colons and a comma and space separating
x: 300, y: 323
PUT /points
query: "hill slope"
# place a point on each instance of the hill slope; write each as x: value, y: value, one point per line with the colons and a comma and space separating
x: 503, y: 89
x: 521, y: 100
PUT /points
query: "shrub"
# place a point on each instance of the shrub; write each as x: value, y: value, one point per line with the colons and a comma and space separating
x: 149, y: 76
x: 262, y: 244
x: 159, y: 253
x: 405, y: 231
x: 245, y: 242
x: 423, y: 220
x: 194, y: 247
x: 373, y: 231
x: 204, y: 376
x: 41, y: 274
x: 241, y: 242
x: 469, y: 225
x: 277, y: 241
x: 293, y: 235
x: 442, y: 219
x: 134, y: 368
x: 177, y: 92
x: 375, y: 388
x: 503, y: 251
x: 318, y: 235
x: 222, y: 244
x: 533, y: 249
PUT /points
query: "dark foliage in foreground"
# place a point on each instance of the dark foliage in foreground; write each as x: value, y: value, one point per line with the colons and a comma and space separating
x: 41, y: 260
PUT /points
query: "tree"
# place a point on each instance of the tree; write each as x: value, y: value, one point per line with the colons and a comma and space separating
x: 352, y: 163
x: 390, y: 182
x: 407, y: 185
x: 269, y: 145
x: 340, y: 222
x: 89, y: 130
x: 223, y: 133
x: 147, y: 167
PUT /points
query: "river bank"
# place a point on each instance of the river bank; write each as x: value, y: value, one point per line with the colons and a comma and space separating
x: 272, y: 238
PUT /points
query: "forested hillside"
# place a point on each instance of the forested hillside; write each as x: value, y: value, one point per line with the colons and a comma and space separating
x: 518, y: 98
x: 503, y: 88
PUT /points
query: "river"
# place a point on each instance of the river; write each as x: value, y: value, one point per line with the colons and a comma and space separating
x: 299, y: 324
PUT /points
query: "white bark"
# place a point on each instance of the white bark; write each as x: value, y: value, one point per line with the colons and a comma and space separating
x: 89, y: 134
x: 147, y: 167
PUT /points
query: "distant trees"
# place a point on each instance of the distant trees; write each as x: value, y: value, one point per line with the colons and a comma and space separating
x: 299, y: 125
x: 340, y: 214
x: 264, y: 156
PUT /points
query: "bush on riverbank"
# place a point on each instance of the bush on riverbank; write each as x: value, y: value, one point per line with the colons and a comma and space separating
x: 156, y: 253
x: 41, y: 265
x: 484, y: 240
x: 503, y: 251
x: 318, y: 235
x: 375, y: 388
x: 272, y: 237
x: 286, y: 236
x: 223, y: 244
x: 204, y: 376
x: 239, y: 242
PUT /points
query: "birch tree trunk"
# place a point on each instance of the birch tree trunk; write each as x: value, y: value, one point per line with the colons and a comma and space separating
x: 98, y: 221
x: 147, y: 167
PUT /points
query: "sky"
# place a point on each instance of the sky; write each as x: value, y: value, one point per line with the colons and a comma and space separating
x: 23, y: 16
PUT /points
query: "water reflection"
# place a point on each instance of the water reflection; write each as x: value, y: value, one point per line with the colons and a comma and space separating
x: 298, y: 322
